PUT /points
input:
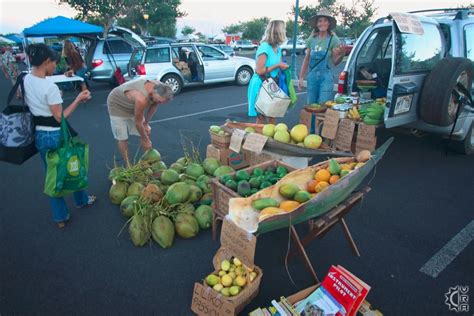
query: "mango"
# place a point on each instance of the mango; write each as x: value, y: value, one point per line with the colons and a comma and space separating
x: 269, y: 212
x: 302, y: 196
x: 288, y: 190
x: 334, y: 167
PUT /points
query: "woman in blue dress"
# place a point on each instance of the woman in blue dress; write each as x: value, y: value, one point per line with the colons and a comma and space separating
x: 323, y: 52
x: 268, y: 63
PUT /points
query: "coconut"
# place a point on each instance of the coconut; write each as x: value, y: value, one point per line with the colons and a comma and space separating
x: 190, y: 181
x: 186, y: 225
x: 158, y: 166
x: 115, y: 172
x: 128, y: 206
x: 210, y: 165
x: 118, y: 192
x: 139, y: 230
x: 151, y: 155
x: 152, y: 193
x: 179, y: 168
x: 222, y: 170
x: 183, y: 161
x: 204, y: 186
x: 194, y: 170
x: 178, y: 193
x: 206, y: 199
x: 203, y: 215
x: 135, y: 188
x: 196, y: 193
x: 169, y: 176
x: 187, y: 208
x: 162, y: 231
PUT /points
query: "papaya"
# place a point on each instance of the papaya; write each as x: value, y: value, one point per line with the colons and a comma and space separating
x: 262, y: 203
x: 269, y: 212
x: 334, y: 167
x: 289, y: 205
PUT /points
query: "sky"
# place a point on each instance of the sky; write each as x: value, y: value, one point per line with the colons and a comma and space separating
x: 206, y: 16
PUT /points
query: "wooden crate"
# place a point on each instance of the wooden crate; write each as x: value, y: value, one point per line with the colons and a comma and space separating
x: 220, y: 142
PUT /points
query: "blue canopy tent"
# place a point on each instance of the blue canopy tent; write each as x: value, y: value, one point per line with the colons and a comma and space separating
x: 17, y: 39
x: 62, y: 26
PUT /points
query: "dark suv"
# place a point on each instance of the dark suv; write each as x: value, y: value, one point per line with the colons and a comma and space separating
x: 425, y: 73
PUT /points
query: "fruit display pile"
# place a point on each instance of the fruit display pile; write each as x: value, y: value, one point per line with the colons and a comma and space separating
x: 160, y: 202
x: 218, y: 130
x: 246, y: 184
x: 292, y: 195
x: 298, y: 135
x: 232, y: 277
x: 370, y: 114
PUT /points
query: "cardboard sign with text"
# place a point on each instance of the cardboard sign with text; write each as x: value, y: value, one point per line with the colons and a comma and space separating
x: 331, y: 122
x: 366, y: 138
x: 255, y: 142
x: 238, y: 242
x: 206, y: 301
x: 408, y: 23
x: 236, y: 140
x: 345, y: 133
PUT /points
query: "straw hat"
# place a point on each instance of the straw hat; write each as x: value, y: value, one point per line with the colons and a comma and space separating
x: 322, y: 13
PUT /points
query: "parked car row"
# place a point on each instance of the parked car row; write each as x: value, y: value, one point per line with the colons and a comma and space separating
x: 178, y: 64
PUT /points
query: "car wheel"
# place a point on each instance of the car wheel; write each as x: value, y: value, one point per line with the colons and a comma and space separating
x: 284, y: 52
x: 465, y: 146
x: 174, y: 82
x: 243, y: 76
x: 240, y: 49
x: 438, y: 105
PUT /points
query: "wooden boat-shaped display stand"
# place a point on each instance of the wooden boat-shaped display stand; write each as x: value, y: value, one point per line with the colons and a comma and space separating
x: 246, y: 217
x: 287, y: 149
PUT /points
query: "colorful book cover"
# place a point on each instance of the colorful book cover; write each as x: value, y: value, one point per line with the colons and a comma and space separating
x: 319, y: 303
x: 342, y: 289
x: 363, y: 288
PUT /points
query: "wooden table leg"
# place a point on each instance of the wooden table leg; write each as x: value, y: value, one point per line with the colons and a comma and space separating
x: 349, y: 237
x: 304, y: 255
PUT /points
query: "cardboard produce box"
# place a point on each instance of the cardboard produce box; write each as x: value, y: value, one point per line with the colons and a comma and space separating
x: 237, y: 243
x: 228, y: 157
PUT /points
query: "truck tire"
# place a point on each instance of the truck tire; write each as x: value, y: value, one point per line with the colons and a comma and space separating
x: 437, y: 104
x: 465, y: 146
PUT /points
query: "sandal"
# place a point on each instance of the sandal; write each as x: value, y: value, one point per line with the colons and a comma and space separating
x: 90, y: 200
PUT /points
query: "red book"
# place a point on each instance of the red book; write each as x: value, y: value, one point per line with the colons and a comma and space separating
x: 341, y: 288
x: 364, y: 289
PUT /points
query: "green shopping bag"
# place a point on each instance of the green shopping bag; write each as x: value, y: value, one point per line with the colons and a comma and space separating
x: 67, y: 166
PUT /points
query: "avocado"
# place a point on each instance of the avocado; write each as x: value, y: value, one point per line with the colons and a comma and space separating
x: 231, y: 184
x: 253, y: 191
x: 271, y: 169
x: 223, y: 179
x: 281, y: 169
x: 257, y: 171
x: 241, y: 175
x: 243, y: 188
x: 254, y: 182
x: 265, y: 184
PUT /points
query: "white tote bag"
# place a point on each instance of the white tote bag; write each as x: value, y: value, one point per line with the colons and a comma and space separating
x: 271, y: 100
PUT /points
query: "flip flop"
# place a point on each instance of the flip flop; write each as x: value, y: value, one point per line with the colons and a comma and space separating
x: 90, y: 200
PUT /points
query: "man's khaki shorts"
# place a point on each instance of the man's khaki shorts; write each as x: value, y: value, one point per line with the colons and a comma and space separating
x: 123, y: 126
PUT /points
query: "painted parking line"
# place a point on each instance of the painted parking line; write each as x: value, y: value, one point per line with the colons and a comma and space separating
x: 449, y: 252
x: 203, y: 112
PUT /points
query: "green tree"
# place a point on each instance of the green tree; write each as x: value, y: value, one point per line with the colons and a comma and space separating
x: 201, y: 37
x: 162, y: 14
x: 255, y: 29
x: 233, y: 29
x: 188, y: 30
x: 352, y: 20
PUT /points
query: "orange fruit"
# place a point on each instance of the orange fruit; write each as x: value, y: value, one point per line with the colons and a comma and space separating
x: 346, y: 167
x: 322, y: 175
x: 289, y: 205
x: 321, y: 186
x: 334, y: 179
x: 311, y: 186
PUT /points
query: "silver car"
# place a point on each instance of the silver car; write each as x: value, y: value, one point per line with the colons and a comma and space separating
x: 426, y: 76
x: 189, y: 64
x: 104, y: 55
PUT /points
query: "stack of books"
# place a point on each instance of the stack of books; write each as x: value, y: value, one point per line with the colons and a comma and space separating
x: 340, y: 294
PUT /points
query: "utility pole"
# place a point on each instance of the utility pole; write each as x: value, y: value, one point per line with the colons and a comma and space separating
x: 295, y: 32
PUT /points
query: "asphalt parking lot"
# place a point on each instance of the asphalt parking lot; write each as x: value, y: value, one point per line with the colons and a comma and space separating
x: 421, y: 199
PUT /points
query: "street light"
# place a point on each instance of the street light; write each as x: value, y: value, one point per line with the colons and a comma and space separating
x: 146, y: 16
